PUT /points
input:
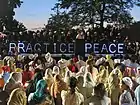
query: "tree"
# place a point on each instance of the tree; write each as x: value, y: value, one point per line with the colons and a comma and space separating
x: 8, y: 12
x: 98, y: 11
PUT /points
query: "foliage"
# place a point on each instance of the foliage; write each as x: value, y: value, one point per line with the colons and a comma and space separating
x: 82, y: 12
x: 7, y: 19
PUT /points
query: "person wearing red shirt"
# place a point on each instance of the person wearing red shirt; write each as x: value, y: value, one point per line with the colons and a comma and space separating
x: 72, y: 67
x: 26, y: 75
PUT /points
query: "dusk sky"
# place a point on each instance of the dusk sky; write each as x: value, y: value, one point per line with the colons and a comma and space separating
x: 35, y: 13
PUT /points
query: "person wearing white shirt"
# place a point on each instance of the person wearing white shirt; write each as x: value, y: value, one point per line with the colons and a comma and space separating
x: 127, y: 97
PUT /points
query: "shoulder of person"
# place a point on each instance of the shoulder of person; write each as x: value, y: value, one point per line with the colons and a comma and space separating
x: 64, y: 93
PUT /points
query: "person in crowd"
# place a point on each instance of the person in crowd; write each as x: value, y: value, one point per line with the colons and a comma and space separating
x: 49, y: 78
x: 32, y: 84
x: 82, y: 71
x: 80, y: 88
x: 126, y: 60
x: 99, y: 96
x: 56, y: 70
x: 14, y: 81
x: 41, y: 96
x: 80, y: 62
x: 102, y: 77
x: 1, y: 79
x: 113, y: 88
x: 67, y: 76
x: 56, y: 89
x: 110, y: 61
x: 137, y: 90
x: 72, y: 67
x: 127, y: 97
x: 89, y: 83
x: 27, y: 75
x: 81, y: 34
x: 50, y: 62
x: 133, y: 63
x: 71, y: 96
x: 17, y: 97
x: 6, y: 73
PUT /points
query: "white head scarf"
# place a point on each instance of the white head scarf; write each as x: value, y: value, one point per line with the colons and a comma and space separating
x: 31, y: 56
x: 88, y: 80
x: 100, y: 61
x: 48, y: 72
x: 56, y: 70
x: 16, y: 77
x: 82, y: 71
x: 67, y: 76
x: 128, y: 82
x: 138, y: 71
x: 48, y: 57
x: 62, y: 63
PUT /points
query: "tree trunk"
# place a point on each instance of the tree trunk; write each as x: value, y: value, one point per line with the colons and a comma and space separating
x: 102, y: 17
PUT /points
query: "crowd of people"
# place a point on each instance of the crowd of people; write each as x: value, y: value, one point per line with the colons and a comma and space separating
x: 109, y: 34
x: 43, y: 80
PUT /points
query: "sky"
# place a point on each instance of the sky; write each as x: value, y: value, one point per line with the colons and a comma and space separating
x: 35, y: 13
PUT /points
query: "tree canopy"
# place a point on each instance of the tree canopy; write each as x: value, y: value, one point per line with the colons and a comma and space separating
x: 7, y: 13
x: 83, y: 12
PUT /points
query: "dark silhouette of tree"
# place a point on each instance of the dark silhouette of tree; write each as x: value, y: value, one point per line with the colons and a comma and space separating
x: 7, y: 13
x: 83, y: 12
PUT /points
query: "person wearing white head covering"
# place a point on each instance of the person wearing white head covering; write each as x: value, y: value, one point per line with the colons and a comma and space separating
x: 80, y: 88
x: 113, y: 87
x: 88, y: 84
x: 67, y: 76
x: 127, y: 97
x: 14, y: 81
x: 31, y: 56
x: 56, y: 70
x: 82, y: 71
x: 48, y: 78
x: 126, y: 61
x: 100, y: 61
x: 137, y: 90
x: 49, y: 61
x: 63, y: 66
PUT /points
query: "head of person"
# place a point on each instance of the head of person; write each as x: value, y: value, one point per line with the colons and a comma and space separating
x: 114, y: 79
x: 41, y: 89
x: 39, y: 61
x: 15, y: 77
x: 48, y: 73
x: 55, y: 70
x: 38, y: 76
x: 26, y: 67
x: 72, y: 84
x: 83, y: 69
x: 126, y: 83
x: 99, y: 90
x: 138, y: 72
x: 57, y: 78
x: 80, y: 81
